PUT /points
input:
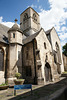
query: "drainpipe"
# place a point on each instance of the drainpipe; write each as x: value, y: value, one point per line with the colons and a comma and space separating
x: 35, y: 78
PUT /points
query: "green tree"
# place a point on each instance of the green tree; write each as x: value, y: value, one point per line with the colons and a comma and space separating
x: 64, y: 48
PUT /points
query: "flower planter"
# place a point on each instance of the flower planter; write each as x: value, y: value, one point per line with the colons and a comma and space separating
x: 4, y: 87
x: 19, y: 81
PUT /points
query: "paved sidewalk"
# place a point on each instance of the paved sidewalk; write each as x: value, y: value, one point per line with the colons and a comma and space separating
x: 39, y: 92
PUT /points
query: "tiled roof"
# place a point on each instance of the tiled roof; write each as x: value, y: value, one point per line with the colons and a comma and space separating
x: 15, y: 27
x: 30, y: 38
x: 3, y: 33
x: 48, y: 31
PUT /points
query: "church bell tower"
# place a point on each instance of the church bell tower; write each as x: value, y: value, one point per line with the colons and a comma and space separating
x: 29, y: 21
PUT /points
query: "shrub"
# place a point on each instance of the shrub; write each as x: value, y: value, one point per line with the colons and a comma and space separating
x: 6, y: 82
x: 3, y: 84
x: 17, y: 75
x: 65, y: 72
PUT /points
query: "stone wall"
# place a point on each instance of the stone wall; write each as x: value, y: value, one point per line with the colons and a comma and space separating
x: 65, y: 62
x: 15, y: 59
x: 45, y: 53
x: 3, y: 62
x: 16, y: 39
x: 55, y: 39
x: 28, y: 62
x: 38, y: 55
x: 29, y: 21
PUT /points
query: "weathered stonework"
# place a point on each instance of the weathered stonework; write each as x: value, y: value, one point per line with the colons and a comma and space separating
x: 31, y: 51
x: 28, y: 60
x: 3, y: 62
x: 29, y: 21
x: 65, y: 62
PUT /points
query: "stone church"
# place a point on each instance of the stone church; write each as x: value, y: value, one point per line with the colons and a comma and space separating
x: 30, y: 50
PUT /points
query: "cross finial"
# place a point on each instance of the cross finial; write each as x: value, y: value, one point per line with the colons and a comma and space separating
x: 15, y: 20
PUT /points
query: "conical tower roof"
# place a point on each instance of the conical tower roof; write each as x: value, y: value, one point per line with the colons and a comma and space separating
x: 15, y: 27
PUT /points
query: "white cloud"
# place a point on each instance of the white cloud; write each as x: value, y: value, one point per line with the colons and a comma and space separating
x: 63, y: 42
x: 40, y: 8
x: 1, y: 19
x: 33, y: 6
x: 63, y: 36
x: 56, y: 17
x: 63, y: 29
x: 9, y: 24
x: 37, y: 0
x: 58, y: 4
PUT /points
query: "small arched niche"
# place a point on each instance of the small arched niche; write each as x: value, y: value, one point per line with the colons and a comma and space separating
x: 1, y: 59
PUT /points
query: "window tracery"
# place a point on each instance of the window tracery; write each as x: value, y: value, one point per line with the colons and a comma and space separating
x: 34, y: 17
x: 25, y: 17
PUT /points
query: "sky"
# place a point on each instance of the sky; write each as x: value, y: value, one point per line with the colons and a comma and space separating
x: 53, y: 13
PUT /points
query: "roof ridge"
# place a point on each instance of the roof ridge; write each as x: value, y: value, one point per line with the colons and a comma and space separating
x: 34, y: 33
x: 15, y: 27
x: 48, y: 31
x: 29, y: 8
x: 31, y: 37
x: 4, y: 25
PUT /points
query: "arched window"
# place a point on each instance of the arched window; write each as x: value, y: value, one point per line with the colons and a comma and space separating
x: 34, y: 17
x: 58, y: 56
x: 58, y: 53
x: 25, y: 16
x: 44, y: 45
x: 1, y: 59
x: 55, y: 58
x: 13, y: 35
x: 46, y: 58
x: 57, y: 47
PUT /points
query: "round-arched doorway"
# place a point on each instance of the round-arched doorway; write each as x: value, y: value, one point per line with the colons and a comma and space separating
x: 48, y: 75
x: 1, y: 59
